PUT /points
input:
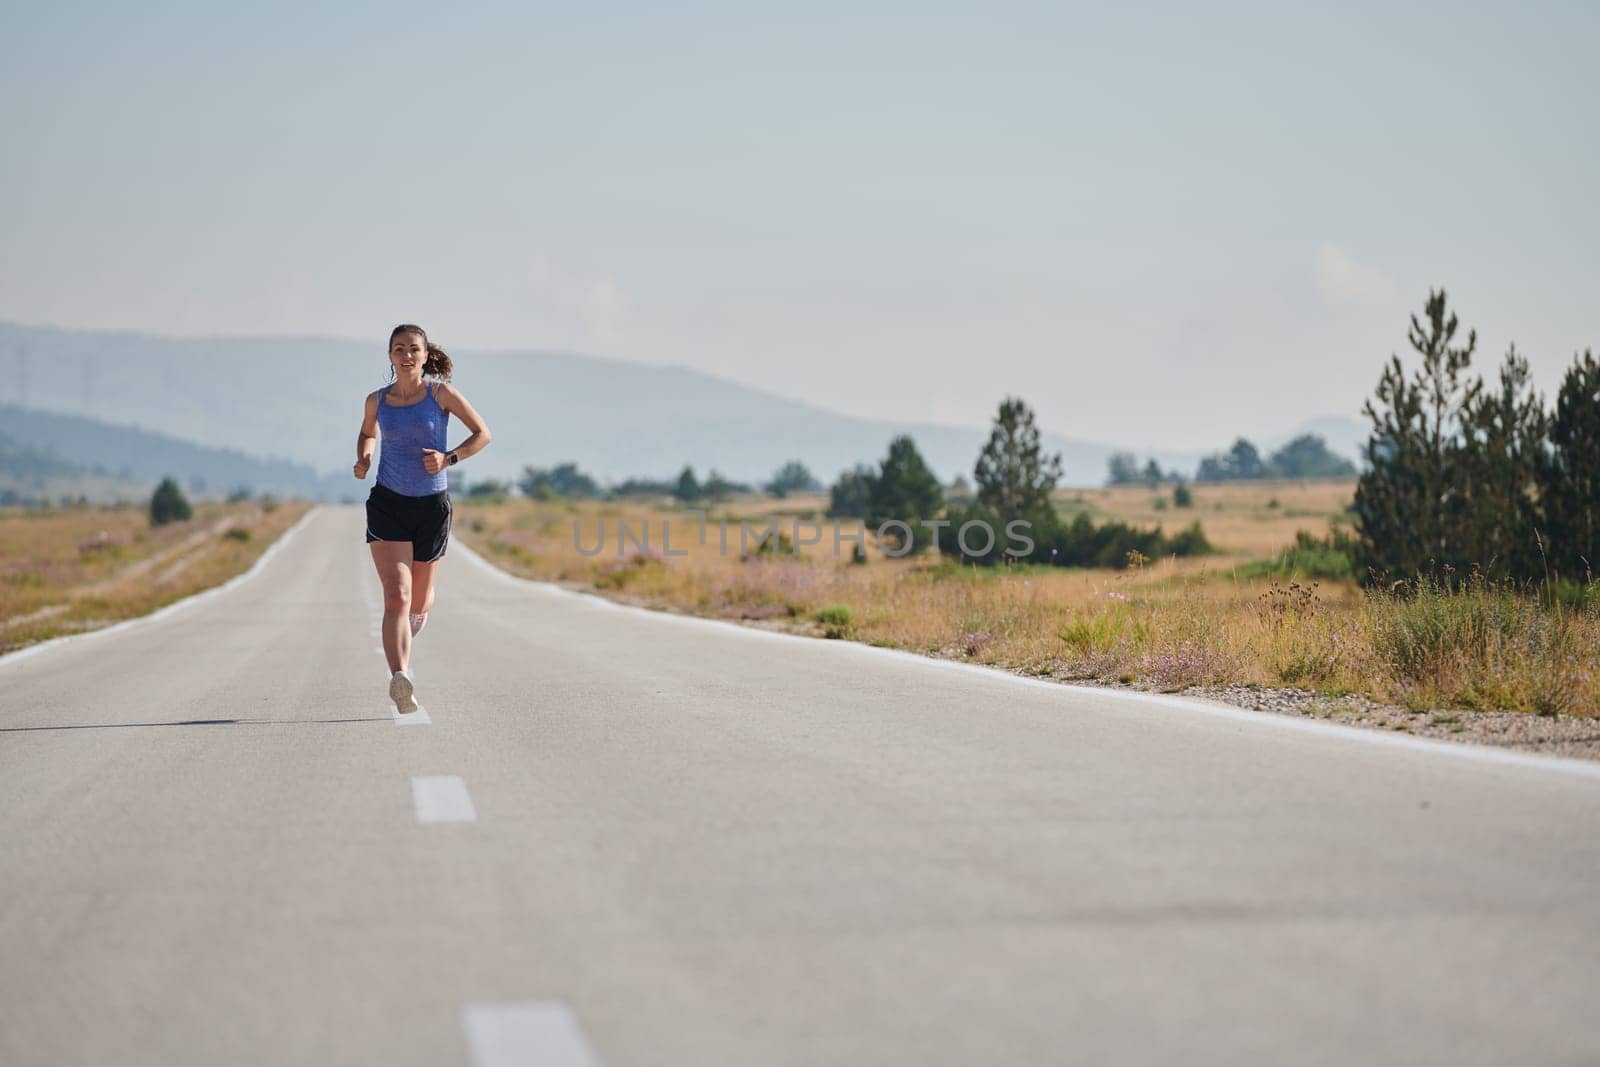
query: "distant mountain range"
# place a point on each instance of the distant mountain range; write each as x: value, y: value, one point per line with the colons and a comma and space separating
x: 281, y: 414
x: 128, y: 461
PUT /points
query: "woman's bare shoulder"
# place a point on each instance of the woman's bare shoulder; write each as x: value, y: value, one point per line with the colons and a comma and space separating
x: 446, y: 393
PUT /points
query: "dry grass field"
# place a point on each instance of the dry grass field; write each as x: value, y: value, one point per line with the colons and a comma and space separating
x: 65, y: 570
x: 1243, y: 519
x: 1168, y: 625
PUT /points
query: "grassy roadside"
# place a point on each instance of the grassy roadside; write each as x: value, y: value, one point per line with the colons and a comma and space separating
x: 1218, y: 623
x: 67, y: 570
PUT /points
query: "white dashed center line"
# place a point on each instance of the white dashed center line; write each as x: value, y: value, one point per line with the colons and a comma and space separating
x: 410, y: 718
x: 530, y: 1033
x: 442, y: 798
x: 543, y: 1032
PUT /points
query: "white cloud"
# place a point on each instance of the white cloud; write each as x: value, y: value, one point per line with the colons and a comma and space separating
x: 1341, y: 280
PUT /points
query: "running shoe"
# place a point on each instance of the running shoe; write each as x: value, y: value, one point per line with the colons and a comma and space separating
x: 400, y: 691
x: 418, y: 621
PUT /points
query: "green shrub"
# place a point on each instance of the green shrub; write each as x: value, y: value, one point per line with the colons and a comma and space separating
x: 837, y: 620
x: 1103, y: 631
x: 1568, y: 593
x: 1190, y: 541
x: 773, y: 543
x: 168, y: 504
x: 1419, y: 626
x: 1075, y: 543
x: 1308, y: 557
x: 1475, y: 642
x: 615, y: 575
x: 237, y: 533
x: 488, y: 491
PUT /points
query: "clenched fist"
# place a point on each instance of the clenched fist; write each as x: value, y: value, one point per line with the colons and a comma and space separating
x: 362, y: 466
x: 433, y: 462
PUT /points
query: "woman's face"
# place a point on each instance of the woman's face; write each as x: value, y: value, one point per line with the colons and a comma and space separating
x: 407, y: 354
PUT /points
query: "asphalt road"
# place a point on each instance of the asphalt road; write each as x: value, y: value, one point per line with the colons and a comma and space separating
x: 628, y: 838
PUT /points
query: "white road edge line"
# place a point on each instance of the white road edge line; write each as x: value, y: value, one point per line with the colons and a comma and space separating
x: 531, y: 1032
x: 442, y: 798
x: 1460, y: 750
x: 177, y: 605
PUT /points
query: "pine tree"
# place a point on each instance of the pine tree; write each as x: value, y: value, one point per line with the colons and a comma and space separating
x: 1122, y: 468
x: 1244, y: 460
x: 1569, y: 478
x: 1408, y: 506
x: 564, y: 479
x: 1013, y: 477
x: 792, y: 477
x: 851, y: 495
x: 716, y: 487
x: 1503, y: 452
x: 1307, y: 456
x: 904, y: 489
x: 687, y: 488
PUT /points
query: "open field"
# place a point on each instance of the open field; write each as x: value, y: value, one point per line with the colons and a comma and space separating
x: 66, y: 570
x: 1168, y: 625
x: 1243, y: 519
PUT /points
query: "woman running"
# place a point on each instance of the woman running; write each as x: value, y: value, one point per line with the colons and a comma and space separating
x: 408, y: 510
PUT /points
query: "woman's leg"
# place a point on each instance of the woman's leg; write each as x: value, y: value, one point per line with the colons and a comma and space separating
x: 427, y: 551
x: 422, y: 575
x: 393, y: 560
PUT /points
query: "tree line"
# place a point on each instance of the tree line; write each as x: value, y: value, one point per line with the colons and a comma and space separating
x: 1307, y: 456
x: 566, y: 480
x: 1013, y: 478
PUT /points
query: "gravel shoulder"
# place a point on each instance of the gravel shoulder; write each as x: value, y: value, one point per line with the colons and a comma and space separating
x: 1553, y: 735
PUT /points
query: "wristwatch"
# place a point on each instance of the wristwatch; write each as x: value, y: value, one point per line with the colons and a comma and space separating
x: 454, y: 459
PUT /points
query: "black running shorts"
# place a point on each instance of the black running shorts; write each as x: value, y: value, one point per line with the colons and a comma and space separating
x: 422, y: 520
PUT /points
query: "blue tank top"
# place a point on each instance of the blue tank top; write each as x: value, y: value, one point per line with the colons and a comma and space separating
x: 403, y: 432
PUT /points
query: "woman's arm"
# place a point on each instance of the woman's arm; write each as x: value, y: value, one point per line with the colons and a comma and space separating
x: 367, y: 438
x: 451, y: 400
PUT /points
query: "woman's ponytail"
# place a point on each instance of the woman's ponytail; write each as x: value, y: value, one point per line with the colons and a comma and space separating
x: 437, y: 363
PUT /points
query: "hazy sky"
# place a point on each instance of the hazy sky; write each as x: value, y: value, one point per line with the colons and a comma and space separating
x: 1161, y: 225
